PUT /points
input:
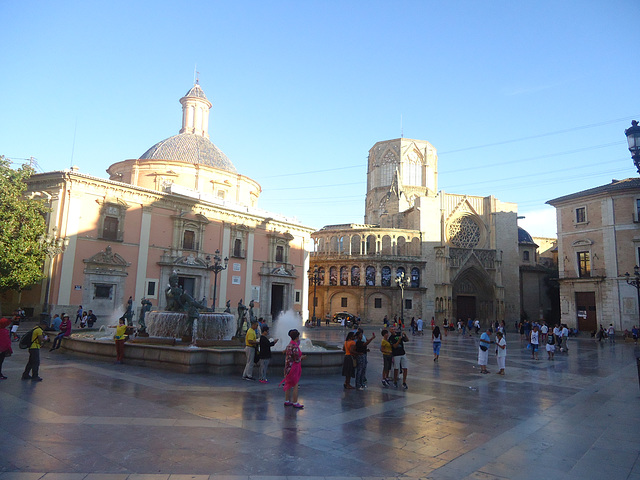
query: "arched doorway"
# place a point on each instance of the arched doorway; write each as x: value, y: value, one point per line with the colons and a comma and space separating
x: 473, y: 296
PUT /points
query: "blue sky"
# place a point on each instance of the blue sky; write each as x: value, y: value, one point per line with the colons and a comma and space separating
x: 524, y: 100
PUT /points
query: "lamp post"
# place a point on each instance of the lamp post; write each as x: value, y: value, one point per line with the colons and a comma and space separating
x: 402, y: 281
x: 216, y: 268
x: 54, y: 246
x: 314, y: 279
x: 635, y: 283
x: 633, y: 138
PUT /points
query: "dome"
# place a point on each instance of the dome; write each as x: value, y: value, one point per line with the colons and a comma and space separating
x: 190, y: 148
x: 524, y: 237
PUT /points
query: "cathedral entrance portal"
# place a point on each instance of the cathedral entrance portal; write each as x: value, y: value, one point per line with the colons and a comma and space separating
x: 465, y: 307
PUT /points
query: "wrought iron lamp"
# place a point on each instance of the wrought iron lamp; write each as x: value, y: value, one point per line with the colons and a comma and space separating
x: 216, y: 268
x: 633, y: 138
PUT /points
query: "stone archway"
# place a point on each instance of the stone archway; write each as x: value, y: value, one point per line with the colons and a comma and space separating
x: 474, y: 296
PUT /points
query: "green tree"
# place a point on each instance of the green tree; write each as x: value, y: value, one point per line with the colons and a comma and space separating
x: 22, y: 227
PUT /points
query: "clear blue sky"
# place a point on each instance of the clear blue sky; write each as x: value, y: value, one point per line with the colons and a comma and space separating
x: 524, y: 100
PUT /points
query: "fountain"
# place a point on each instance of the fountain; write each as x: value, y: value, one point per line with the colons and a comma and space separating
x: 208, y: 326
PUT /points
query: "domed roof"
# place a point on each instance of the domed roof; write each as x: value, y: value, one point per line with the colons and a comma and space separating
x: 196, y: 91
x: 524, y: 237
x: 190, y: 148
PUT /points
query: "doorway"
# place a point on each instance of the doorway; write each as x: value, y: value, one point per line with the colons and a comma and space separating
x: 586, y: 311
x: 188, y: 285
x: 465, y: 307
x: 277, y: 300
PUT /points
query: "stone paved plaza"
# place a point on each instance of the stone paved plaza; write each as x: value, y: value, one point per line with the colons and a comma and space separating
x: 577, y: 417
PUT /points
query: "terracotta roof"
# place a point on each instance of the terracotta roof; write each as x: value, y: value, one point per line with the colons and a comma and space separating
x: 613, y: 187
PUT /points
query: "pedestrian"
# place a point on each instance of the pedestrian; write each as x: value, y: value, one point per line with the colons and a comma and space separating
x: 534, y: 342
x: 349, y: 362
x: 78, y: 314
x: 433, y: 323
x: 120, y: 337
x: 565, y: 338
x: 250, y: 342
x: 265, y: 353
x: 91, y: 318
x: 611, y: 333
x: 483, y: 350
x: 55, y: 323
x: 414, y: 326
x: 399, y: 360
x: 634, y: 334
x: 361, y: 358
x: 5, y: 343
x: 476, y: 325
x: 544, y: 331
x: 15, y: 323
x: 33, y: 365
x: 83, y: 320
x: 292, y: 370
x: 469, y: 325
x: 436, y: 338
x: 445, y: 327
x: 420, y: 326
x: 65, y: 331
x: 551, y: 345
x: 501, y: 351
x: 385, y: 348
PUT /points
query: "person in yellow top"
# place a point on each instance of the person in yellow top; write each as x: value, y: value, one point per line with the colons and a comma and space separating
x: 250, y: 341
x: 120, y: 337
x: 33, y: 365
x: 385, y: 348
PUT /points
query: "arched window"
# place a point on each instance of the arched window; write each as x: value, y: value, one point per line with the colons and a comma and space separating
x: 333, y: 276
x: 386, y: 277
x: 415, y: 277
x: 371, y: 276
x: 525, y: 256
x: 344, y: 276
x: 321, y: 276
x: 401, y: 271
x: 355, y: 276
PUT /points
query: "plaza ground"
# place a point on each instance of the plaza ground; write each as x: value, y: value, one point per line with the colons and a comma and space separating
x: 577, y: 417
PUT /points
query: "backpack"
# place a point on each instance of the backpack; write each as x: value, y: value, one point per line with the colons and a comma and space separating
x: 25, y: 340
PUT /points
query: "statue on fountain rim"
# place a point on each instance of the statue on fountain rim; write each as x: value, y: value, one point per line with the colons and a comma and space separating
x: 242, y: 314
x: 180, y: 301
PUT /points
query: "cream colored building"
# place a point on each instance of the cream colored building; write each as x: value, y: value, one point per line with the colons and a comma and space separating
x: 598, y: 242
x: 459, y: 253
x: 168, y: 210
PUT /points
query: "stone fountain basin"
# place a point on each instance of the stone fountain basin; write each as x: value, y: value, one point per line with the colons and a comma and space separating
x: 218, y: 360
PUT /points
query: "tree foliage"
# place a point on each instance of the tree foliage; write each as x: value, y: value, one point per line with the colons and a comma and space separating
x: 22, y: 227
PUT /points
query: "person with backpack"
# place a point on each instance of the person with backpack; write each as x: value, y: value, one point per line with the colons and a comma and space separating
x: 34, y: 339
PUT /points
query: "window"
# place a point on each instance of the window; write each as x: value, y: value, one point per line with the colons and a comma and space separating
x: 333, y: 276
x: 279, y: 253
x: 315, y: 300
x: 237, y: 248
x: 386, y: 277
x: 636, y: 213
x: 221, y: 194
x: 110, y: 228
x: 525, y: 256
x: 415, y: 277
x: 343, y: 302
x: 151, y: 289
x: 581, y: 215
x: 377, y: 303
x: 407, y: 304
x: 103, y: 291
x: 189, y: 240
x: 584, y: 265
x: 321, y: 276
x: 344, y: 276
x: 371, y: 276
x: 355, y: 276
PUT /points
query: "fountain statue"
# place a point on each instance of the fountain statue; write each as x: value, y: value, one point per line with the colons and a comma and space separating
x: 146, y: 307
x: 187, y: 318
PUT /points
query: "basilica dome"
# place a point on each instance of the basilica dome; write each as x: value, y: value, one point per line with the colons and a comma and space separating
x: 192, y: 144
x: 190, y: 148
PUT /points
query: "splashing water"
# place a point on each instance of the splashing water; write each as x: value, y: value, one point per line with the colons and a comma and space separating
x: 280, y: 329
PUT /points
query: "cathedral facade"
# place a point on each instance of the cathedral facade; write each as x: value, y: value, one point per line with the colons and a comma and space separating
x: 457, y: 255
x: 178, y: 207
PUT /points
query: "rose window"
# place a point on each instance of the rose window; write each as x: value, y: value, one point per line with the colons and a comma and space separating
x: 464, y: 232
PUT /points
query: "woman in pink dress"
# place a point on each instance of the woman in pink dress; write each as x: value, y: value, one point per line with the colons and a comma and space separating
x: 292, y: 370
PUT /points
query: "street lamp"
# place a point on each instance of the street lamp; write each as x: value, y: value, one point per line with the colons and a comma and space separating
x: 216, y: 268
x: 53, y: 246
x: 635, y: 283
x: 633, y: 138
x: 314, y: 279
x: 403, y: 282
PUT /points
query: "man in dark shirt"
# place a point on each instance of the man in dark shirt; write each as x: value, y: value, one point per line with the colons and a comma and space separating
x: 265, y: 353
x: 399, y: 358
